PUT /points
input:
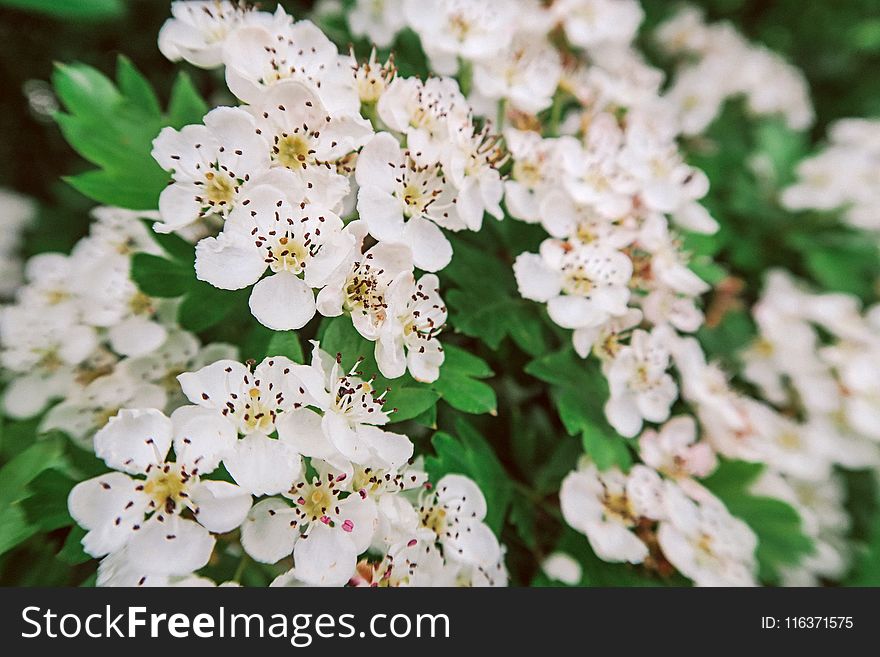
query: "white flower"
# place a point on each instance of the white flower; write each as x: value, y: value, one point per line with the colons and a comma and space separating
x: 594, y: 176
x: 210, y: 166
x: 455, y: 510
x: 526, y: 74
x: 584, y: 285
x: 259, y: 56
x: 408, y: 337
x: 304, y: 138
x: 377, y: 20
x: 537, y: 167
x: 703, y: 541
x: 428, y: 113
x: 640, y: 387
x: 674, y: 450
x: 16, y: 215
x: 450, y: 29
x: 472, y: 161
x: 197, y: 30
x: 143, y: 515
x: 597, y: 23
x: 325, y: 529
x: 606, y: 507
x: 301, y: 245
x: 44, y: 348
x: 403, y: 203
x: 360, y: 285
x: 252, y: 404
x: 344, y: 430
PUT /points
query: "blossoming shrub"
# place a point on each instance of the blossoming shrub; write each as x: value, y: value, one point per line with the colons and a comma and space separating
x: 485, y: 299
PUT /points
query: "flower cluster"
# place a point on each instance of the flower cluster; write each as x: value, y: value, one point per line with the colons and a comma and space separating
x: 326, y: 188
x: 844, y: 175
x: 81, y: 331
x: 735, y: 67
x: 319, y: 137
x: 337, y: 492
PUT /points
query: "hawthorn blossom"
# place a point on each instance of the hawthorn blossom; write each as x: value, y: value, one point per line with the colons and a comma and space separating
x: 197, y: 30
x: 300, y: 244
x: 606, y: 507
x: 458, y: 28
x: 703, y: 541
x: 640, y: 387
x: 674, y: 450
x: 251, y: 403
x: 360, y: 285
x: 210, y: 166
x: 408, y: 338
x: 455, y: 510
x: 138, y: 508
x: 324, y: 529
x: 340, y: 423
x: 377, y: 20
x: 405, y: 203
x: 304, y: 138
x: 259, y: 56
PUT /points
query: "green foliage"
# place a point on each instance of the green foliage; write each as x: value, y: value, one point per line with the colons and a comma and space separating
x: 579, y: 392
x: 83, y: 10
x: 285, y: 343
x: 781, y: 540
x: 469, y: 453
x: 113, y: 127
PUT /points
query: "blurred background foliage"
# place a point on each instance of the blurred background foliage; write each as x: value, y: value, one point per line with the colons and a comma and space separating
x: 522, y: 455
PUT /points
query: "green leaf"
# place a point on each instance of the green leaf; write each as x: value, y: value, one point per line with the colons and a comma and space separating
x: 176, y: 247
x: 285, y: 343
x: 135, y: 87
x: 112, y: 127
x: 71, y: 9
x: 469, y: 454
x: 458, y: 384
x: 84, y: 90
x: 72, y: 552
x: 118, y: 190
x: 186, y: 105
x: 466, y: 394
x: 14, y: 528
x: 46, y: 506
x: 205, y: 306
x: 159, y: 277
x: 21, y: 470
x: 410, y: 402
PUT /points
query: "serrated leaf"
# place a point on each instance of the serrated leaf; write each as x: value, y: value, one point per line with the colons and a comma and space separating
x: 466, y: 394
x: 21, y: 470
x: 186, y: 105
x: 135, y: 87
x: 410, y: 402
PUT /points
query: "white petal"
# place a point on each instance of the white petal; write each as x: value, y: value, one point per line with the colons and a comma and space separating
x: 536, y: 281
x: 96, y: 504
x: 220, y: 506
x: 134, y: 439
x: 282, y: 302
x: 173, y: 547
x: 266, y: 534
x: 326, y: 558
x: 431, y: 250
x: 202, y: 437
x: 263, y: 465
x: 137, y: 336
x: 228, y: 263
